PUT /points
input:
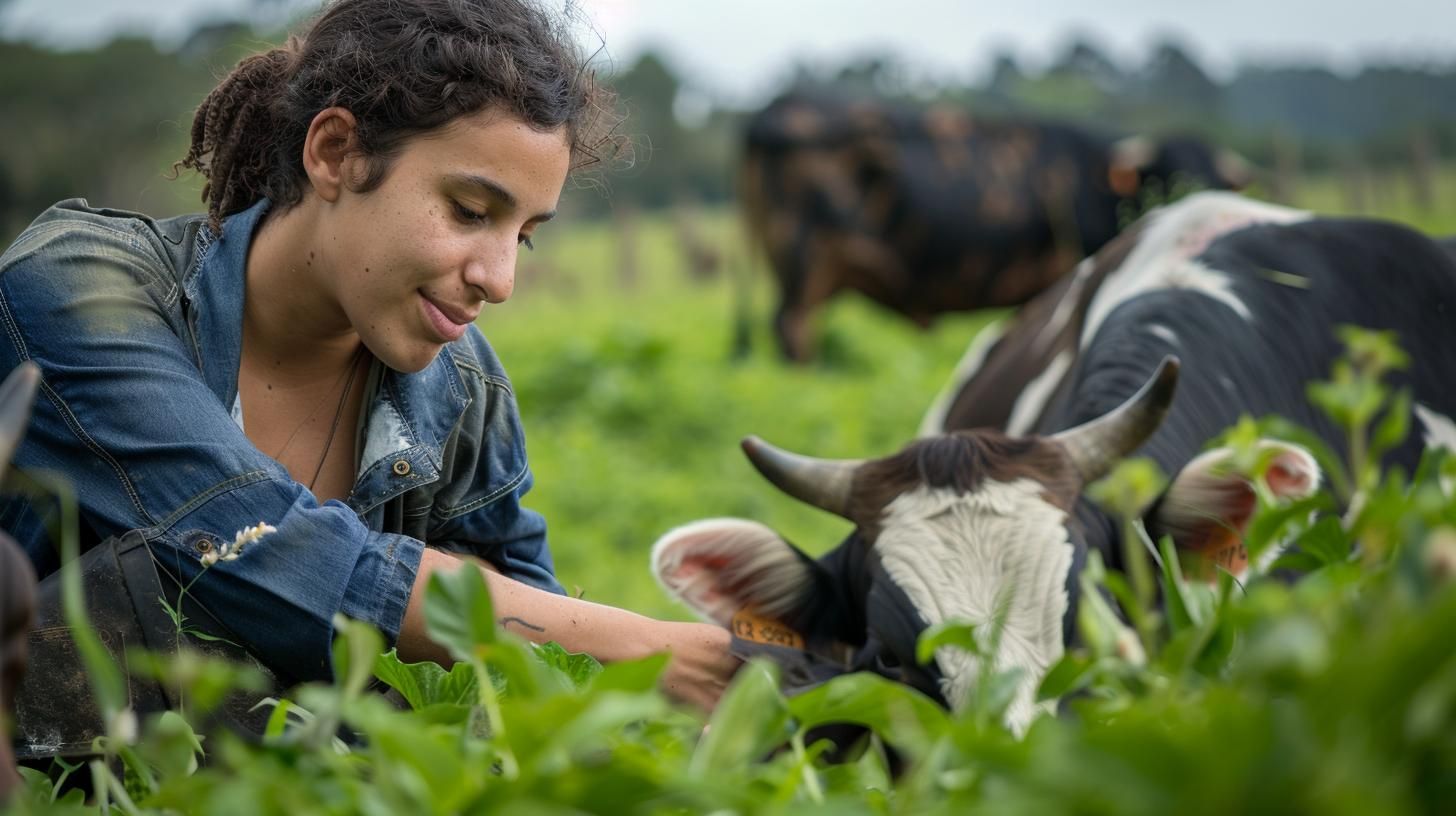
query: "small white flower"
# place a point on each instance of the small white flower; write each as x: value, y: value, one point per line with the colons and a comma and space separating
x: 123, y: 726
x: 233, y: 549
x: 1440, y: 555
x: 246, y: 536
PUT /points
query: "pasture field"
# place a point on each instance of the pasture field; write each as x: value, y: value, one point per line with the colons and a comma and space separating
x: 1336, y: 695
x: 633, y: 405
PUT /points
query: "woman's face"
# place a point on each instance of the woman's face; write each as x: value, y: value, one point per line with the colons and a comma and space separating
x: 414, y: 260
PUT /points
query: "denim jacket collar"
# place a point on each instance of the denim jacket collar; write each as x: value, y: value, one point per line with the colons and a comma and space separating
x: 408, y: 418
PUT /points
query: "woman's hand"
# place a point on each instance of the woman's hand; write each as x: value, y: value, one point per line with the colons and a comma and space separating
x: 697, y: 673
x: 701, y: 667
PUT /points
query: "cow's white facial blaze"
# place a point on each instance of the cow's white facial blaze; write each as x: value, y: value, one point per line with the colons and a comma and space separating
x: 1002, y: 550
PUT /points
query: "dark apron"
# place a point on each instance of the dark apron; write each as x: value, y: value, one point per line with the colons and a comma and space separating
x: 55, y: 711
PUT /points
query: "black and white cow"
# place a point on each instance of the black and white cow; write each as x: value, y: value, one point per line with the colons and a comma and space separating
x: 1207, y: 310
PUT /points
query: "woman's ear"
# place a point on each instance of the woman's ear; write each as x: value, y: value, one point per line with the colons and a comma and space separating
x: 327, y: 147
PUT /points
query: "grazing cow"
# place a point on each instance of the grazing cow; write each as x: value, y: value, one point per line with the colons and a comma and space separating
x: 1233, y: 302
x: 930, y: 212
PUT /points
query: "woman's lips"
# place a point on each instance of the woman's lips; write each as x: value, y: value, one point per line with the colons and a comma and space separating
x: 444, y: 325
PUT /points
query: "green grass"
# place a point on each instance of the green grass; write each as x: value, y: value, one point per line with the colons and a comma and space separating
x: 1335, y: 695
x: 633, y: 405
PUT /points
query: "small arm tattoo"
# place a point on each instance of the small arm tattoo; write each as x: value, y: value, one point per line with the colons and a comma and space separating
x: 522, y: 623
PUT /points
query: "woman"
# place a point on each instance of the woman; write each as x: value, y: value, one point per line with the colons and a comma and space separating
x: 305, y: 353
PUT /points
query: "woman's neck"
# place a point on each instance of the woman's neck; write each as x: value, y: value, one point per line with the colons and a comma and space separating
x: 292, y: 321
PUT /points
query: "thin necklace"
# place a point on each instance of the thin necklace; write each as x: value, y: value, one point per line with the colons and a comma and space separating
x: 338, y: 413
x: 348, y: 378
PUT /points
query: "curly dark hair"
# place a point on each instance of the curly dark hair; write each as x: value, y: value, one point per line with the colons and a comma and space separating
x: 403, y: 68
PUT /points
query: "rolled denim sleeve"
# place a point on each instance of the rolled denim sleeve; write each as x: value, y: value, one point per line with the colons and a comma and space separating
x: 127, y: 417
x: 510, y: 536
x: 482, y: 514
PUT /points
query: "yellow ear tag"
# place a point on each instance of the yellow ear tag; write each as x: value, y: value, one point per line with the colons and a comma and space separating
x: 1123, y: 180
x: 749, y: 626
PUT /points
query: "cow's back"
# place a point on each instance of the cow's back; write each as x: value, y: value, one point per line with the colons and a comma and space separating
x: 1253, y: 350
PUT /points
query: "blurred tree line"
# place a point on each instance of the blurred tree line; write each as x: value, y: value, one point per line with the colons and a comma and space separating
x: 106, y: 123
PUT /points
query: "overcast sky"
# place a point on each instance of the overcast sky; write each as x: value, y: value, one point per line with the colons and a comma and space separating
x: 741, y: 50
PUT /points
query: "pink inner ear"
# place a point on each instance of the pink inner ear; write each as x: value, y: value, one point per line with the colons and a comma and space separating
x: 1290, y: 476
x: 720, y: 566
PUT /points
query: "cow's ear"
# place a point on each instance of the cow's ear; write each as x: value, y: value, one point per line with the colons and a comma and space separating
x: 1207, y: 508
x: 721, y: 566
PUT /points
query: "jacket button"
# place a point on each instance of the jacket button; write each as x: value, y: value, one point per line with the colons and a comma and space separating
x: 203, y: 546
x: 401, y: 467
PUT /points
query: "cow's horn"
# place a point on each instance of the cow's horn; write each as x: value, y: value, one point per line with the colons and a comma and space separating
x: 823, y: 483
x: 1095, y: 446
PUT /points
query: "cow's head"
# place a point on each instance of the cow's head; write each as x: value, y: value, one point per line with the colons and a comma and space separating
x: 1137, y: 162
x: 971, y: 525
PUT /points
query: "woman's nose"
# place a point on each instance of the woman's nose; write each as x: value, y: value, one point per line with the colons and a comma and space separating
x: 491, y: 275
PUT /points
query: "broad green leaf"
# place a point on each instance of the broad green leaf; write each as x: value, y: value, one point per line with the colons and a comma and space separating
x: 1070, y: 673
x: 1097, y: 621
x: 445, y: 713
x: 38, y: 794
x: 750, y: 719
x: 1326, y: 541
x: 426, y: 683
x: 1374, y: 352
x: 1393, y: 427
x: 1131, y: 486
x: 579, y: 668
x: 139, y: 778
x: 516, y: 671
x: 171, y: 746
x: 277, y: 720
x: 602, y: 721
x: 996, y: 690
x: 1182, y: 612
x: 1270, y: 525
x: 203, y: 680
x: 899, y: 714
x: 356, y: 646
x: 958, y: 633
x: 631, y: 675
x: 458, y: 612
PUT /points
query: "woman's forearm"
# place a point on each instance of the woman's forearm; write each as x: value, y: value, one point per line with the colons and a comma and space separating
x: 605, y: 632
x: 697, y: 673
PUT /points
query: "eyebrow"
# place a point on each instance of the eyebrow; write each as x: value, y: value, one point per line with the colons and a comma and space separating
x: 496, y: 191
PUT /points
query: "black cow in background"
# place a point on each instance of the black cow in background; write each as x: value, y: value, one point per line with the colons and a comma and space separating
x: 930, y: 211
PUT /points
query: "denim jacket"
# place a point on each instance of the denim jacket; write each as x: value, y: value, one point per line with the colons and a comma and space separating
x: 136, y: 325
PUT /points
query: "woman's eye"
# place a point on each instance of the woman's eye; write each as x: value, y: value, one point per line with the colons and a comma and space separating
x: 525, y: 241
x: 464, y: 213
